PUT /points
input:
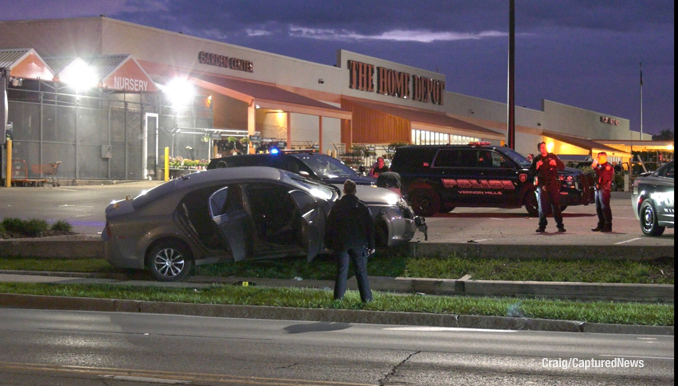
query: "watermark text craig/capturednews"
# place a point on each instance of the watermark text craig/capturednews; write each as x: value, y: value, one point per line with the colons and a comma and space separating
x: 567, y: 363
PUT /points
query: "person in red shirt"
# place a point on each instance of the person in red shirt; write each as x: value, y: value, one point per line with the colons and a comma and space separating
x: 546, y: 166
x: 605, y: 173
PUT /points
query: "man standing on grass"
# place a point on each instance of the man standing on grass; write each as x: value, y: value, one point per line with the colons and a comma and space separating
x: 350, y: 234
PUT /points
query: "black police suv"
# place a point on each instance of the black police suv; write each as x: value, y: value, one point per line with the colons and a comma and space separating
x: 310, y: 164
x: 652, y: 200
x: 438, y: 178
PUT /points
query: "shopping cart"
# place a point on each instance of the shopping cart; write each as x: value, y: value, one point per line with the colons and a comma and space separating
x: 20, y: 175
x: 50, y: 170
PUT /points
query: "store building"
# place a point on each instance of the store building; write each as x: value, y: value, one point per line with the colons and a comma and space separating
x: 245, y: 101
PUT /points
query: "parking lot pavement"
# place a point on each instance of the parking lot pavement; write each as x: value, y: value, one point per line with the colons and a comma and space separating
x: 83, y: 207
x: 514, y: 227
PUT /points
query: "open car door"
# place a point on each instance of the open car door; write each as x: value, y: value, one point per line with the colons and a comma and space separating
x: 228, y: 213
x: 312, y: 222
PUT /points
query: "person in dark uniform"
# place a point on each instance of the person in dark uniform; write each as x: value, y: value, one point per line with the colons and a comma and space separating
x: 350, y: 234
x: 605, y: 173
x: 546, y: 165
x: 379, y: 167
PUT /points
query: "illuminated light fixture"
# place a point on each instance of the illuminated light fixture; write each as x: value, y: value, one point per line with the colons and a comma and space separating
x: 257, y: 107
x: 179, y: 92
x: 79, y: 75
x: 549, y: 147
x: 669, y: 147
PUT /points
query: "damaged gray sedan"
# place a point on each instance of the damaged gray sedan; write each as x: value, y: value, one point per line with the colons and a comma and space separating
x: 235, y: 214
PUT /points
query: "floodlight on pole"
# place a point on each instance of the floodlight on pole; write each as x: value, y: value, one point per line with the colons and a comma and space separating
x: 80, y: 76
x: 180, y: 92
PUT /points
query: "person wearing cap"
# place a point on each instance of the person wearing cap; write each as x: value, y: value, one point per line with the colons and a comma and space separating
x: 546, y: 165
x: 605, y: 173
x: 349, y: 232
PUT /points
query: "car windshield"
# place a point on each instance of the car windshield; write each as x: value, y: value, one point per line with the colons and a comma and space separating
x: 328, y: 167
x: 516, y: 157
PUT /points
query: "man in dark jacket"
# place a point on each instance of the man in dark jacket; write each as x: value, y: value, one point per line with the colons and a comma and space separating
x: 605, y: 173
x: 546, y: 165
x: 350, y: 233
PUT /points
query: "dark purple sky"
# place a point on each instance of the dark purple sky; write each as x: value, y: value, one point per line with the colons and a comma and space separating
x: 583, y: 53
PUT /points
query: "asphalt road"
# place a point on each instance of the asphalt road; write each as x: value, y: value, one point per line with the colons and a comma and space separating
x: 83, y: 207
x: 42, y: 347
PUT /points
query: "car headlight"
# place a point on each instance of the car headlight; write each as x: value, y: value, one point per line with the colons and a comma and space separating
x: 322, y: 194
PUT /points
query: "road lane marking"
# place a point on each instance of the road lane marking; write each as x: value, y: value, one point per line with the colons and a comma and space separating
x: 155, y: 375
x: 146, y: 379
x: 434, y: 329
x: 628, y: 241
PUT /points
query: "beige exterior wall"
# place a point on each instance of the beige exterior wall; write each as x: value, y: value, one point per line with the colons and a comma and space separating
x: 54, y: 38
x: 325, y: 82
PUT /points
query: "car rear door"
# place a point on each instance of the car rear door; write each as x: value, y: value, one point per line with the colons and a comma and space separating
x: 227, y: 212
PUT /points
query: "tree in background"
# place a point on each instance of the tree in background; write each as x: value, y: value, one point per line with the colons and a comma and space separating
x: 664, y: 135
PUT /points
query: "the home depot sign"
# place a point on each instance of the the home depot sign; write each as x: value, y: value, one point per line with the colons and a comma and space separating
x: 395, y: 83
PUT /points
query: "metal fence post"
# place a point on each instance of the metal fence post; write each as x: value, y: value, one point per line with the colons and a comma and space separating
x: 166, y: 164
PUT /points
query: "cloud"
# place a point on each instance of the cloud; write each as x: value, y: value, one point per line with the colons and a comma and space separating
x: 257, y: 32
x: 421, y: 36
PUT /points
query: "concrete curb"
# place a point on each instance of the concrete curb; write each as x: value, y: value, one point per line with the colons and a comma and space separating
x: 323, y: 315
x: 651, y: 293
x: 63, y: 247
x: 563, y: 252
x: 654, y: 293
x: 87, y: 246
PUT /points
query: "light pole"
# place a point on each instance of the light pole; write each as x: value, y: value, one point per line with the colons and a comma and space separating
x: 511, y: 118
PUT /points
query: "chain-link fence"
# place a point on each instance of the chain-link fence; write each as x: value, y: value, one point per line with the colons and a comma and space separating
x: 101, y: 135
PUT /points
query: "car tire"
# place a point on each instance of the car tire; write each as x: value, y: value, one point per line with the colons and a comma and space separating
x: 447, y: 209
x: 169, y: 261
x: 531, y: 203
x: 425, y: 202
x: 648, y: 220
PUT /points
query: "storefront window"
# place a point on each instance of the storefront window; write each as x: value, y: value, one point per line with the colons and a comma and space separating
x: 424, y: 137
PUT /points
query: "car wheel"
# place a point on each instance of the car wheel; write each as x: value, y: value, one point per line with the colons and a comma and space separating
x: 531, y: 204
x: 648, y: 220
x: 447, y: 209
x: 425, y: 202
x: 169, y: 261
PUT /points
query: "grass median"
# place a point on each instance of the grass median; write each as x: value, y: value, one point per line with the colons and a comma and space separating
x: 592, y: 312
x: 396, y: 262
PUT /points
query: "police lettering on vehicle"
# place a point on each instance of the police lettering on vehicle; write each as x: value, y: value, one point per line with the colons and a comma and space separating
x: 478, y: 184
